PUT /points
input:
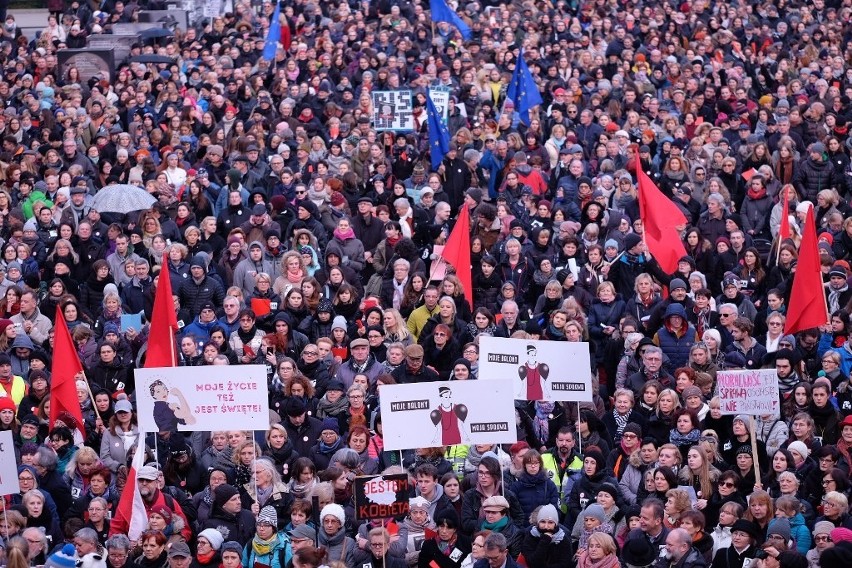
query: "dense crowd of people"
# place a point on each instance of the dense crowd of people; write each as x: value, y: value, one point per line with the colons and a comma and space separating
x: 295, y: 235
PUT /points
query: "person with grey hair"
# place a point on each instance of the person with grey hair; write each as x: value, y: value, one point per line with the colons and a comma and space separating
x: 392, y: 291
x: 680, y: 552
x: 711, y: 223
x: 652, y: 368
x: 267, y: 490
x: 118, y: 551
x: 51, y: 480
x: 496, y: 553
x: 86, y: 542
x: 37, y: 545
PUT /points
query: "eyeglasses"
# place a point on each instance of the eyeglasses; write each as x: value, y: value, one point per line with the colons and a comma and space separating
x: 377, y: 545
x: 310, y: 353
x: 725, y: 315
x: 822, y: 538
x: 727, y: 484
x: 827, y: 481
x: 439, y: 334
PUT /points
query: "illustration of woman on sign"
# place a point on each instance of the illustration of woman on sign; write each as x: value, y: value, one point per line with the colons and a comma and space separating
x: 449, y: 420
x: 534, y: 374
x: 170, y: 407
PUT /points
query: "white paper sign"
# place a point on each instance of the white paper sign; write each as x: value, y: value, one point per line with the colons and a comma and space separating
x: 538, y: 370
x: 441, y: 99
x: 752, y: 391
x: 8, y: 465
x: 427, y: 415
x: 215, y: 397
x: 393, y: 110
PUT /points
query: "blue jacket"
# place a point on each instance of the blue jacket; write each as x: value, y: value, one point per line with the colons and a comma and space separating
x: 534, y: 491
x: 273, y: 559
x: 800, y: 533
x: 200, y: 330
x: 495, y: 166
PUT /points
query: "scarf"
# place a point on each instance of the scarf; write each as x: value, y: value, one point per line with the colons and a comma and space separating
x: 756, y: 193
x: 703, y: 319
x: 555, y: 538
x: 263, y: 547
x: 344, y: 235
x: 446, y: 546
x: 541, y: 422
x: 398, y: 292
x: 243, y: 474
x: 263, y: 495
x: 496, y: 527
x: 834, y: 297
x: 205, y: 558
x: 326, y: 408
x: 689, y: 439
x: 294, y: 277
x: 620, y: 422
x: 608, y: 561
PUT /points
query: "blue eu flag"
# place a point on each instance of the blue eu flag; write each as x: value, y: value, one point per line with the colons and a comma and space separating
x: 523, y: 91
x: 443, y: 13
x: 270, y: 48
x: 439, y: 136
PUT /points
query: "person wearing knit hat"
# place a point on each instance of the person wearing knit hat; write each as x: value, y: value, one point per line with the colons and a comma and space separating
x: 631, y: 241
x: 63, y: 558
x: 611, y: 490
x: 838, y: 555
x: 822, y: 540
x: 800, y: 448
x: 224, y: 493
x: 229, y: 548
x: 336, y: 511
x: 214, y: 539
x: 268, y: 515
x: 331, y: 424
x: 594, y: 511
x: 780, y: 527
x: 690, y: 392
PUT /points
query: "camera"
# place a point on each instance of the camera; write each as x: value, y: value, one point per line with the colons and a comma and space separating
x: 761, y: 555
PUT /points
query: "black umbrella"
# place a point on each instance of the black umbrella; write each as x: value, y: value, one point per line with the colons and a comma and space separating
x: 152, y: 58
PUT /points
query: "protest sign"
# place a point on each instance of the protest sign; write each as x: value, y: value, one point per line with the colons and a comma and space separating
x: 393, y: 110
x: 441, y: 99
x: 8, y: 465
x: 538, y: 370
x: 425, y: 415
x: 752, y: 391
x: 381, y: 496
x: 202, y: 398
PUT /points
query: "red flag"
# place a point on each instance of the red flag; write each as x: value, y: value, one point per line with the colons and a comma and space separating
x: 660, y: 217
x: 457, y: 252
x: 784, y: 227
x: 808, y: 307
x: 130, y: 517
x: 63, y: 384
x: 161, y: 336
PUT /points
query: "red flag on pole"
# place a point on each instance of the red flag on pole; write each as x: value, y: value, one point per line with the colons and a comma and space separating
x: 784, y: 227
x: 130, y: 516
x: 660, y: 217
x: 161, y: 337
x: 457, y: 252
x: 63, y: 384
x: 808, y: 307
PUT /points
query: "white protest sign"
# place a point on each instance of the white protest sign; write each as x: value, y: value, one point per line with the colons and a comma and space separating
x: 428, y: 415
x: 538, y: 370
x: 393, y: 110
x: 752, y: 391
x: 8, y: 465
x: 441, y: 99
x: 215, y: 397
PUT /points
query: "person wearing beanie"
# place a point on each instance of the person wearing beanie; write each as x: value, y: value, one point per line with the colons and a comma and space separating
x: 592, y: 519
x: 416, y: 524
x: 268, y: 547
x: 208, y: 549
x: 232, y: 554
x: 447, y: 538
x: 594, y: 473
x: 228, y: 516
x: 200, y: 288
x: 822, y: 540
x: 332, y: 534
x: 65, y: 557
x: 546, y: 543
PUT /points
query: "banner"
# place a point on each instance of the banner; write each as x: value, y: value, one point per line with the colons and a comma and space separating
x: 753, y: 392
x: 441, y: 99
x: 215, y: 397
x: 538, y: 370
x: 393, y: 110
x: 428, y: 415
x: 8, y: 465
x: 381, y: 496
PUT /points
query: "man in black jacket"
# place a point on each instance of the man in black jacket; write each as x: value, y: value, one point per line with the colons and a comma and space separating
x: 302, y: 430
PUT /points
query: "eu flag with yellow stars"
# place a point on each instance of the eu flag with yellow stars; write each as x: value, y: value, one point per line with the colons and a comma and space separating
x: 523, y: 91
x: 439, y: 136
